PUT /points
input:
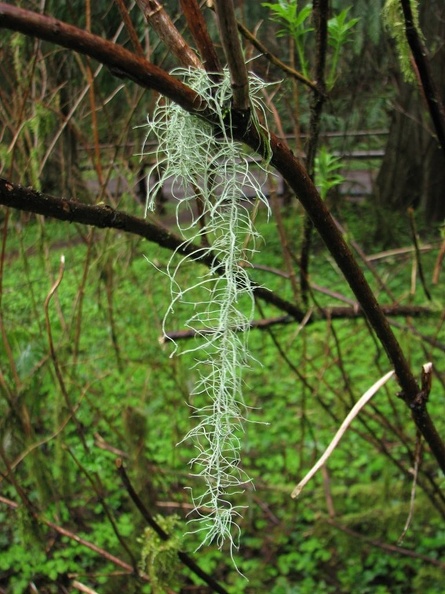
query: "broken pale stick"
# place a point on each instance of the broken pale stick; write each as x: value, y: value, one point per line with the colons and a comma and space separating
x: 353, y: 413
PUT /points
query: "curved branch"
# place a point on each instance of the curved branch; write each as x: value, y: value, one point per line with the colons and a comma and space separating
x: 103, y: 216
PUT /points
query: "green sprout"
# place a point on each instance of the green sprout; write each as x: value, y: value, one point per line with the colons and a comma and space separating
x: 327, y: 174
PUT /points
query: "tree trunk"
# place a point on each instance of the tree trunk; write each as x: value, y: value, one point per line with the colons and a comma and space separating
x: 413, y: 169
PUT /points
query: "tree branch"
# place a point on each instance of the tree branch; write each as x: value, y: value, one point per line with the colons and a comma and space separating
x: 325, y: 313
x: 184, y: 557
x: 198, y: 28
x: 297, y: 177
x: 103, y: 216
x: 228, y: 30
x: 117, y: 59
x: 273, y: 59
x: 158, y: 18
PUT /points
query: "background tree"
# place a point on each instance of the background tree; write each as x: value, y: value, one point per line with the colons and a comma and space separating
x: 412, y: 172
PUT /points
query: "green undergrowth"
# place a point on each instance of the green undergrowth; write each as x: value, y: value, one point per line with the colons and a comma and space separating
x: 131, y: 403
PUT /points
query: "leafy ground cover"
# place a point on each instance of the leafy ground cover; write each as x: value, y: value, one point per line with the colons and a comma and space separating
x: 110, y: 391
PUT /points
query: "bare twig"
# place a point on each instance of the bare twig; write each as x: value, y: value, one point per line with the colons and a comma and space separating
x: 438, y: 264
x: 54, y: 356
x: 130, y: 27
x: 351, y: 416
x: 417, y: 458
x: 417, y: 253
x: 274, y: 60
x: 393, y: 549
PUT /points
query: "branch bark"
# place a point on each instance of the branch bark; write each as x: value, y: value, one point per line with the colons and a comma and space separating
x: 103, y: 216
x: 228, y: 30
x: 198, y: 28
x: 156, y: 15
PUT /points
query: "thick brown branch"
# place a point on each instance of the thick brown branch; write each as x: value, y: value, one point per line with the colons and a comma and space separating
x: 298, y: 179
x: 102, y: 216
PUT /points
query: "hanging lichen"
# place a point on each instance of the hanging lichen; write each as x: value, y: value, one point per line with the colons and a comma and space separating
x: 216, y: 169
